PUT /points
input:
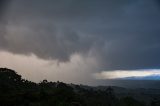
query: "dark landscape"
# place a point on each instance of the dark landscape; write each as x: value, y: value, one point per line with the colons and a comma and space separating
x: 16, y: 91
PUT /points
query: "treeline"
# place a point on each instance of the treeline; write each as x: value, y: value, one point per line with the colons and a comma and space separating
x: 16, y: 91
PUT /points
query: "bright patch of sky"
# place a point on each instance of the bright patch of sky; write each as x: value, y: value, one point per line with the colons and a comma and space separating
x: 148, y: 74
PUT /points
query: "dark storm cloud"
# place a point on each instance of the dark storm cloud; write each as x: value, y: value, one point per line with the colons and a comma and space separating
x: 3, y: 4
x: 119, y: 34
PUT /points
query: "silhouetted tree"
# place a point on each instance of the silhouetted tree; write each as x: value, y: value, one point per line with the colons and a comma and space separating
x: 15, y: 91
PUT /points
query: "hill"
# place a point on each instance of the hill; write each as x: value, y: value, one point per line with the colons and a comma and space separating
x: 16, y: 91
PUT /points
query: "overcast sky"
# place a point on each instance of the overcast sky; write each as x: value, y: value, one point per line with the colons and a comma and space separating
x: 81, y: 41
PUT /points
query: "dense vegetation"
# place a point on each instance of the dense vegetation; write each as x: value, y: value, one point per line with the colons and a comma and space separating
x: 15, y: 91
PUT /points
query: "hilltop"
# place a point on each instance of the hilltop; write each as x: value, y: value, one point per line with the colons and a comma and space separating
x: 16, y: 91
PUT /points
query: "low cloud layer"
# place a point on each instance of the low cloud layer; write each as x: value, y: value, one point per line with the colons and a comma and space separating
x: 32, y: 68
x: 118, y: 35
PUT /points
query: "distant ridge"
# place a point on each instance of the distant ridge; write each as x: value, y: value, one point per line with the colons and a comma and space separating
x: 16, y: 91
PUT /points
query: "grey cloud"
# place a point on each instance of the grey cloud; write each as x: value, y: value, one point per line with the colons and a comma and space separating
x: 120, y: 35
x: 3, y: 5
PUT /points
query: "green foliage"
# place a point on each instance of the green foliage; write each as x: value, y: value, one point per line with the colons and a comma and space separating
x: 129, y: 101
x: 155, y: 102
x: 15, y: 91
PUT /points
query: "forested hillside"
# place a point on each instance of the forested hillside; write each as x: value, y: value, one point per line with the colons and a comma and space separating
x: 16, y: 91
